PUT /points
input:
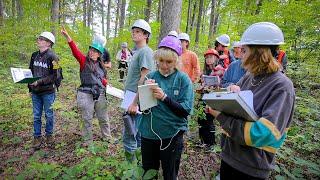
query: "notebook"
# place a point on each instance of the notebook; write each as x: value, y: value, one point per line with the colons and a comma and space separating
x: 114, y: 92
x: 235, y: 104
x: 146, y: 99
x: 21, y: 75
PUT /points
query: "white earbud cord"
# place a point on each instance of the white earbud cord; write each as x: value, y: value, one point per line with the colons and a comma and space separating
x: 150, y: 112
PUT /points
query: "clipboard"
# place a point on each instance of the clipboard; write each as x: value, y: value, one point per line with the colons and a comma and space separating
x: 235, y: 104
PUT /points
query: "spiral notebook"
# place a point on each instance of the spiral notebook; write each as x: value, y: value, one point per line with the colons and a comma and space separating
x: 146, y: 99
x: 235, y: 104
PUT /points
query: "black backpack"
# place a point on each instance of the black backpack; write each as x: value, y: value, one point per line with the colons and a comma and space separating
x: 59, y: 78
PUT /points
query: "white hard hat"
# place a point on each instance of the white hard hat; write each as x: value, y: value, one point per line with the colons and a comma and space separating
x: 49, y: 36
x: 173, y: 33
x: 97, y: 38
x: 184, y: 36
x: 142, y: 24
x: 262, y: 33
x: 224, y: 39
x: 236, y: 44
x: 124, y: 45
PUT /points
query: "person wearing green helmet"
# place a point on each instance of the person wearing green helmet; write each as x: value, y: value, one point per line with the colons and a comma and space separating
x: 91, y: 93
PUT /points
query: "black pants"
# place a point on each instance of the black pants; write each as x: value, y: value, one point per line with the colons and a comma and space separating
x: 122, y: 67
x: 170, y: 157
x: 207, y: 130
x: 228, y: 172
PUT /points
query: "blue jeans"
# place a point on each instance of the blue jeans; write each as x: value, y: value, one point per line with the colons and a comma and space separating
x: 39, y: 103
x: 131, y: 142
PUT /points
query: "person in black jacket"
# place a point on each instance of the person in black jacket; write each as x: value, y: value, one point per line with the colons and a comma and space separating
x: 43, y: 64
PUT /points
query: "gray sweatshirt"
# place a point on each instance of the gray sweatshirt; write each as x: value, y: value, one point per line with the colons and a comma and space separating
x: 250, y: 147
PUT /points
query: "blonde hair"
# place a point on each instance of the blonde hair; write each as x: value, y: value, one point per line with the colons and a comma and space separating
x: 167, y: 53
x: 260, y: 60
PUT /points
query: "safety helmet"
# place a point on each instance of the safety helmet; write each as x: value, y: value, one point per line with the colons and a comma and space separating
x: 97, y: 46
x: 49, y: 36
x: 184, y: 36
x: 224, y: 39
x: 173, y: 33
x: 236, y: 44
x: 97, y: 38
x: 262, y: 33
x: 142, y: 24
x: 124, y: 45
x: 212, y: 52
x: 172, y: 43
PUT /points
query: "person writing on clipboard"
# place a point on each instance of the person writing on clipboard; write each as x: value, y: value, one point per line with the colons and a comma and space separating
x: 249, y: 148
x: 163, y: 126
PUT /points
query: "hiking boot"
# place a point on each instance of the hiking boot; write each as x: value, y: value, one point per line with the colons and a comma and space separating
x: 36, y: 144
x: 50, y: 141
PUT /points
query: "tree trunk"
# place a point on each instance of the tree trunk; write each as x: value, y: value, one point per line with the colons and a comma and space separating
x: 199, y: 22
x: 102, y: 17
x: 160, y: 6
x: 13, y: 8
x: 122, y: 14
x: 147, y: 11
x: 216, y: 18
x: 194, y: 14
x: 84, y: 17
x: 108, y: 19
x: 54, y: 15
x: 259, y: 4
x: 212, y: 16
x: 188, y: 16
x: 117, y: 19
x: 19, y: 9
x: 1, y: 12
x: 89, y: 13
x: 170, y: 17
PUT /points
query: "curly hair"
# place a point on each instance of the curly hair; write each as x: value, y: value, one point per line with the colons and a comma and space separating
x: 167, y: 53
x: 260, y: 60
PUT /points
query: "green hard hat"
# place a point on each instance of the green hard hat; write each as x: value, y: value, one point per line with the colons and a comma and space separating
x: 97, y: 46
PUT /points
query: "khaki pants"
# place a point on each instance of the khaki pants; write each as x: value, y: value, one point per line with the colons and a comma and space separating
x: 88, y: 107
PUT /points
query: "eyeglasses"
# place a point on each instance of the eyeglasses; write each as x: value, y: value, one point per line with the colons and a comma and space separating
x: 42, y: 39
x: 243, y: 50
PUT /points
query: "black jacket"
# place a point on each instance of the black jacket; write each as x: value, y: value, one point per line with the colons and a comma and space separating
x: 42, y: 65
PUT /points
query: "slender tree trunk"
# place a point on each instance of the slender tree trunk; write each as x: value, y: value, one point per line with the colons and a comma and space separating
x: 170, y: 17
x: 89, y: 13
x: 147, y: 11
x: 122, y: 14
x: 199, y: 22
x: 216, y: 18
x: 102, y: 17
x: 259, y: 4
x: 84, y: 17
x: 13, y: 8
x: 160, y: 6
x: 188, y: 16
x: 194, y: 14
x: 117, y: 19
x: 54, y: 15
x: 108, y: 19
x: 1, y: 12
x: 212, y: 16
x: 19, y: 9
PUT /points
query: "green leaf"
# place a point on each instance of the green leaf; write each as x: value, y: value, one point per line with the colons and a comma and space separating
x: 151, y: 173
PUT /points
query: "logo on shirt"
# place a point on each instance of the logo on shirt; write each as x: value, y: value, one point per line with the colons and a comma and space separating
x: 40, y: 64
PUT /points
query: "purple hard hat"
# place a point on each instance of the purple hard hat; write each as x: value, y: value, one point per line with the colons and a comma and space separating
x: 173, y: 43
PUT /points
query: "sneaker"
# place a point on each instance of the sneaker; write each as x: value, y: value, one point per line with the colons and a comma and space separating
x: 50, y: 141
x: 36, y: 144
